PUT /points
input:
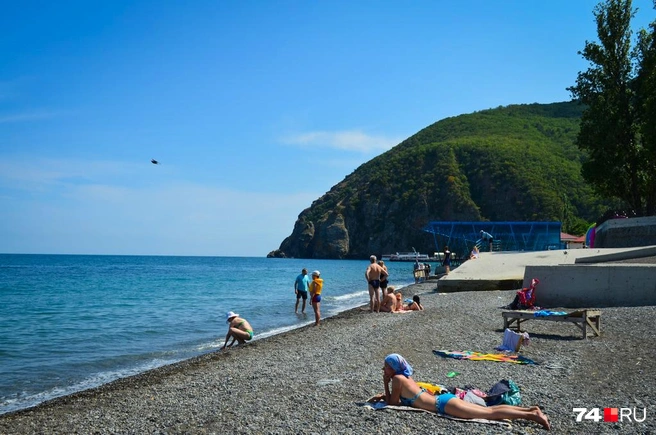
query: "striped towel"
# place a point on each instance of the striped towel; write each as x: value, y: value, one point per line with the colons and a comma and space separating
x: 478, y: 356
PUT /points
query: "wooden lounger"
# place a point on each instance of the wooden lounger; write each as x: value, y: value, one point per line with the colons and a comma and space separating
x: 583, y: 319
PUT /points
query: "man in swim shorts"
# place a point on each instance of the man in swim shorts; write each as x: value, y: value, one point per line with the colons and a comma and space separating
x: 373, y: 275
x: 301, y: 286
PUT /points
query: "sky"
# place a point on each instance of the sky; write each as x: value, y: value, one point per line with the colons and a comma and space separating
x: 254, y: 109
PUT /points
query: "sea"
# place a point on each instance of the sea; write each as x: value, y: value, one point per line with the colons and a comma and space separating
x: 73, y: 322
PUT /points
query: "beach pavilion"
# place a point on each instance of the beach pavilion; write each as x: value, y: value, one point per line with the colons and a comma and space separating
x: 461, y: 237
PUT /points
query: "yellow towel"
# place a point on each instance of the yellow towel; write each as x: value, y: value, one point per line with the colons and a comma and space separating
x: 432, y: 388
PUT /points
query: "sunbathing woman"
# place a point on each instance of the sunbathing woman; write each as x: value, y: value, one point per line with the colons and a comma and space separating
x: 415, y: 305
x: 405, y: 391
x: 388, y: 305
x: 398, y: 306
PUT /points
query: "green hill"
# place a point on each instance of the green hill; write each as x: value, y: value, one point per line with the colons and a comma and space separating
x: 514, y: 163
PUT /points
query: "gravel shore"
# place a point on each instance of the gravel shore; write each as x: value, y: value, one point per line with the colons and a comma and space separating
x: 311, y: 380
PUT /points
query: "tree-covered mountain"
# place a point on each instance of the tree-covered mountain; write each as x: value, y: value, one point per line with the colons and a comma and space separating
x: 514, y: 163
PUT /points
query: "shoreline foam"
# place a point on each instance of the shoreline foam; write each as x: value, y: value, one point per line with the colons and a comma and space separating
x: 102, y: 378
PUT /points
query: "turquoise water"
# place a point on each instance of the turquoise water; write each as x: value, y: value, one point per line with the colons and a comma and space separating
x: 72, y: 322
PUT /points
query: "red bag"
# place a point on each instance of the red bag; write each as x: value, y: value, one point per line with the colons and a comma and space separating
x: 527, y: 295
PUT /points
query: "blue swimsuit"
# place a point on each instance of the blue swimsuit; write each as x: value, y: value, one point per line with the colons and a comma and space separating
x: 440, y: 401
x: 409, y: 402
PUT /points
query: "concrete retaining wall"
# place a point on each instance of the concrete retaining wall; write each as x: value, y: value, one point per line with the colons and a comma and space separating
x: 622, y: 233
x: 647, y: 251
x: 593, y: 285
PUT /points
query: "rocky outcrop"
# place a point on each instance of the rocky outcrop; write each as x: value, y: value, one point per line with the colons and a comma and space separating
x: 297, y: 245
x: 367, y: 222
x: 328, y: 238
x: 332, y: 239
x: 277, y: 253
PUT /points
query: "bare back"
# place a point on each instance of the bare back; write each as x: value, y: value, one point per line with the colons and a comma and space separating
x: 408, y: 388
x: 389, y: 303
x: 374, y: 271
x: 240, y: 323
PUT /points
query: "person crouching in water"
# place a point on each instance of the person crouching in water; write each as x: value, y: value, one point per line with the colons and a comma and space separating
x: 315, y: 295
x: 238, y: 329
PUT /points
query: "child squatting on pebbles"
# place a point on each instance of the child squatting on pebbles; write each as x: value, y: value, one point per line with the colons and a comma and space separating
x: 405, y: 391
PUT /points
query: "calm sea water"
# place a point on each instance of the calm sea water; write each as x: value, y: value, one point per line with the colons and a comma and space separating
x: 72, y: 322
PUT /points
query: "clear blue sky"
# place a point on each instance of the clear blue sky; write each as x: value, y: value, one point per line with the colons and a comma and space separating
x: 253, y: 108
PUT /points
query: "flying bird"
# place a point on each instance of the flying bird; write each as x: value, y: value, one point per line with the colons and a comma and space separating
x: 154, y: 162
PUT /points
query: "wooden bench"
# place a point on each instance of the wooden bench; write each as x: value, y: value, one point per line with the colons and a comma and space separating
x: 584, y: 319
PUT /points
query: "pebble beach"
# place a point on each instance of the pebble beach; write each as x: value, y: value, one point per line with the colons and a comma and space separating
x: 315, y: 379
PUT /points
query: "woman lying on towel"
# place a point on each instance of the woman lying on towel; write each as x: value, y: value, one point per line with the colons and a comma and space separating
x: 405, y: 391
x: 415, y: 305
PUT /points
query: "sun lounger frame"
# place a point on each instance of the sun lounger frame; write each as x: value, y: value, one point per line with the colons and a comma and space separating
x: 588, y: 321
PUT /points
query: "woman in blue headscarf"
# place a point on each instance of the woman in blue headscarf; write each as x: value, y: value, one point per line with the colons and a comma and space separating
x: 405, y: 391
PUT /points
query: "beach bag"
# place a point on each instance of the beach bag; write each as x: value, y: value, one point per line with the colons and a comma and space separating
x: 512, y: 396
x: 527, y: 295
x: 512, y: 341
x: 504, y: 392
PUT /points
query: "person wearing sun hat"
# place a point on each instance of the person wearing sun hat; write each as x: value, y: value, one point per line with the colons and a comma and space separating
x: 316, y: 286
x: 238, y: 329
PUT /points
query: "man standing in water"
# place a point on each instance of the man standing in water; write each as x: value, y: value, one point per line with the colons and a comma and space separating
x: 373, y: 275
x: 301, y: 286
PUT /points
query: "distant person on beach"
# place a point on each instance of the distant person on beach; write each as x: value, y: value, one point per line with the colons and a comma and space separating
x: 373, y: 275
x: 316, y: 286
x: 447, y: 260
x: 406, y: 392
x: 474, y: 253
x: 487, y: 237
x: 301, y: 287
x: 418, y: 271
x: 415, y: 305
x: 238, y: 329
x: 389, y: 301
x: 384, y: 280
